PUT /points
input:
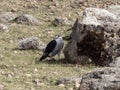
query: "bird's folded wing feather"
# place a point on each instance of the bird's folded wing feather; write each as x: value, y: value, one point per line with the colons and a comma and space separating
x: 50, y: 47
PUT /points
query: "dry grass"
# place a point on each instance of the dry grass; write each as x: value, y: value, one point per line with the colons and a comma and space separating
x: 18, y: 69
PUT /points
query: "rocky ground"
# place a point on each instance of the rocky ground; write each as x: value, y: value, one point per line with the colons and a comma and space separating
x: 27, y: 20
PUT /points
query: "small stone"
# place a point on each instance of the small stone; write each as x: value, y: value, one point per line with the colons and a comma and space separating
x: 1, y: 56
x: 14, y: 66
x: 28, y: 75
x: 77, y: 85
x: 1, y: 87
x: 36, y: 70
x: 55, y: 73
x: 106, y: 46
x: 38, y: 82
x: 15, y: 52
x: 39, y: 35
x: 4, y: 28
x: 70, y: 88
x: 10, y: 75
x: 61, y: 85
x: 50, y: 31
x: 14, y: 10
x: 11, y: 41
x: 2, y: 72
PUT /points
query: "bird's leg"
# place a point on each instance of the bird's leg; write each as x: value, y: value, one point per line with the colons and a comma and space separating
x: 59, y: 55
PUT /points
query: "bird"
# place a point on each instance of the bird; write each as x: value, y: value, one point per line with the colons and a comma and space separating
x: 53, y: 47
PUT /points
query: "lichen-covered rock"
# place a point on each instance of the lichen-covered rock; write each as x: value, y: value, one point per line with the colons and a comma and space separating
x: 97, y: 16
x: 101, y: 79
x: 27, y: 19
x: 115, y: 63
x: 31, y: 43
x: 95, y: 38
x: 115, y: 9
x: 7, y: 16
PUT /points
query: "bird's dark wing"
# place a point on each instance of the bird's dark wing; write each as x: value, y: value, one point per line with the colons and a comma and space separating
x: 50, y: 47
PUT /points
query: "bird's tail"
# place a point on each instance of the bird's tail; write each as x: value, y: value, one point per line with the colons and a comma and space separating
x: 43, y: 57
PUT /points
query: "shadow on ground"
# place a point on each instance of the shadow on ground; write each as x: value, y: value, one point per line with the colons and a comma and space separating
x: 52, y: 61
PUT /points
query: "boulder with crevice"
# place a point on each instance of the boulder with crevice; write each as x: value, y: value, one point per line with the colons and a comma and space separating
x: 95, y: 38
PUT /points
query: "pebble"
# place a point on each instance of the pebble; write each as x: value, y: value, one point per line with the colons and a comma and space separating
x: 28, y: 75
x: 70, y: 88
x: 61, y: 85
x: 4, y: 28
x: 35, y: 70
x: 1, y: 87
x: 77, y: 85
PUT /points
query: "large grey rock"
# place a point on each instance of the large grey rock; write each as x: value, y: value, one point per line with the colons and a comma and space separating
x: 97, y: 16
x: 7, y: 16
x: 115, y: 63
x: 95, y: 38
x: 31, y: 43
x: 27, y: 19
x: 114, y: 9
x: 101, y: 79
